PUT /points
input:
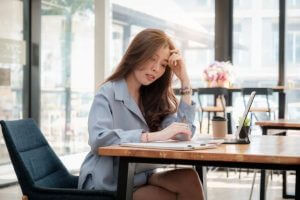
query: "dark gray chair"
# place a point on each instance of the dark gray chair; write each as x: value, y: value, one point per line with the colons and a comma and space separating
x: 41, y: 174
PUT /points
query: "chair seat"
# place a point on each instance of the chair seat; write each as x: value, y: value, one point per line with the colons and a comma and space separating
x: 215, y: 109
x: 257, y: 109
x: 211, y: 109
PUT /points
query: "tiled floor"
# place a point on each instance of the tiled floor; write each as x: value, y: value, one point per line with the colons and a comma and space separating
x: 219, y: 187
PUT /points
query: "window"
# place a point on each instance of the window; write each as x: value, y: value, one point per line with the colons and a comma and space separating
x: 255, y: 38
x: 292, y: 4
x: 67, y: 73
x: 292, y: 57
x: 192, y: 28
x: 12, y: 59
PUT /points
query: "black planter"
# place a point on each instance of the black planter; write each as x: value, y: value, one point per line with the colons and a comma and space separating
x: 244, y: 132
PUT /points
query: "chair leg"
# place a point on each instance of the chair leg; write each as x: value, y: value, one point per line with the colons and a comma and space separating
x: 252, y: 185
x: 208, y: 119
x: 256, y: 118
x: 251, y: 118
x: 201, y: 120
x: 24, y: 197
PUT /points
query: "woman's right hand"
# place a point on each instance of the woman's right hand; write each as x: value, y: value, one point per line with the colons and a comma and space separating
x: 175, y: 128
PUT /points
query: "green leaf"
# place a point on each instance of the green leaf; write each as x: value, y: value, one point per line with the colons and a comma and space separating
x: 246, y: 122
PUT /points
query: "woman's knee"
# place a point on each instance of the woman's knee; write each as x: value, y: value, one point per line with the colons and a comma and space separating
x: 191, y: 177
x: 153, y: 192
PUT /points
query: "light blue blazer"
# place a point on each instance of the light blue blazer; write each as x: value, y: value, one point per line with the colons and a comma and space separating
x: 115, y: 118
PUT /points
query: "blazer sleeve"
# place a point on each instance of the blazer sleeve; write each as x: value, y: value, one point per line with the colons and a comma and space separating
x: 100, y: 126
x: 185, y: 113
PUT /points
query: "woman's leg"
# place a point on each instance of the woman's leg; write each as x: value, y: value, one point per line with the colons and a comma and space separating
x: 183, y: 182
x: 151, y: 192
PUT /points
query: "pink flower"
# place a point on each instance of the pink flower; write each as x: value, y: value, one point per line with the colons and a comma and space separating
x: 218, y: 71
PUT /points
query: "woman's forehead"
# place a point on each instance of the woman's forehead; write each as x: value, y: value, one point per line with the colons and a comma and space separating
x: 163, y: 52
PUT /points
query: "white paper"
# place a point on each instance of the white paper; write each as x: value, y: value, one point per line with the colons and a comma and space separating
x: 172, y: 145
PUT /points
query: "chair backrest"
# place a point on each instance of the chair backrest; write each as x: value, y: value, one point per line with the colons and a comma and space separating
x: 34, y: 162
x: 216, y: 92
x: 259, y: 91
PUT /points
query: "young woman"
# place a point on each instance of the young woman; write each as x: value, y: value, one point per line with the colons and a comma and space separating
x: 137, y: 104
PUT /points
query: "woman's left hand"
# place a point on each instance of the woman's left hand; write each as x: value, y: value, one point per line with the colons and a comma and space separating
x: 177, y: 65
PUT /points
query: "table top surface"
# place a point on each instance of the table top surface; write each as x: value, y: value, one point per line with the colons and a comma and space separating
x: 280, y: 123
x: 236, y: 88
x: 263, y: 149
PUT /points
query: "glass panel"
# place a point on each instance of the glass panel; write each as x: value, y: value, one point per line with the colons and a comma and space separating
x: 292, y: 57
x: 270, y: 4
x: 67, y: 72
x: 255, y: 51
x: 12, y: 59
x: 293, y: 4
x: 192, y: 28
x: 242, y: 4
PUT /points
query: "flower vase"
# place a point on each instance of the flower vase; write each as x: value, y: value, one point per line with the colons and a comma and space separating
x: 213, y: 84
x: 225, y: 84
x: 208, y: 83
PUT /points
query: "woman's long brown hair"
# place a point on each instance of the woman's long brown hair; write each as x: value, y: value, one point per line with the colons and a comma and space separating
x: 157, y: 99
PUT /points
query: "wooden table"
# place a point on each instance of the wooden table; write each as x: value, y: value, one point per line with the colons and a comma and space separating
x: 264, y: 152
x: 279, y: 124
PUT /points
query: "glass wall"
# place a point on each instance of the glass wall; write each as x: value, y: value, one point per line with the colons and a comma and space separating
x: 67, y: 72
x: 292, y: 57
x: 192, y: 28
x: 12, y: 59
x: 255, y: 52
x: 255, y: 35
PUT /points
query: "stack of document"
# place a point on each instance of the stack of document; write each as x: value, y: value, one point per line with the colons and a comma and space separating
x: 176, y: 145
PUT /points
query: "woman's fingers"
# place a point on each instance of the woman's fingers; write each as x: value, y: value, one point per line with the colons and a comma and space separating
x: 182, y: 125
x: 171, y: 61
x: 183, y: 129
x: 175, y: 56
x: 178, y: 127
x: 175, y: 51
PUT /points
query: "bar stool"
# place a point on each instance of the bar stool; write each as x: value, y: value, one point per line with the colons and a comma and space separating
x: 219, y: 103
x: 263, y: 92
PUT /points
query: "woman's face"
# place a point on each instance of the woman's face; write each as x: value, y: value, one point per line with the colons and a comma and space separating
x: 154, y: 68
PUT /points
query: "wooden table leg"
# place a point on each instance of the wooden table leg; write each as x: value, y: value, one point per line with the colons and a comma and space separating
x: 264, y: 130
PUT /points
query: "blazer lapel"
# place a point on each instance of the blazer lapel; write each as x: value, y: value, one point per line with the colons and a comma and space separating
x: 122, y: 94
